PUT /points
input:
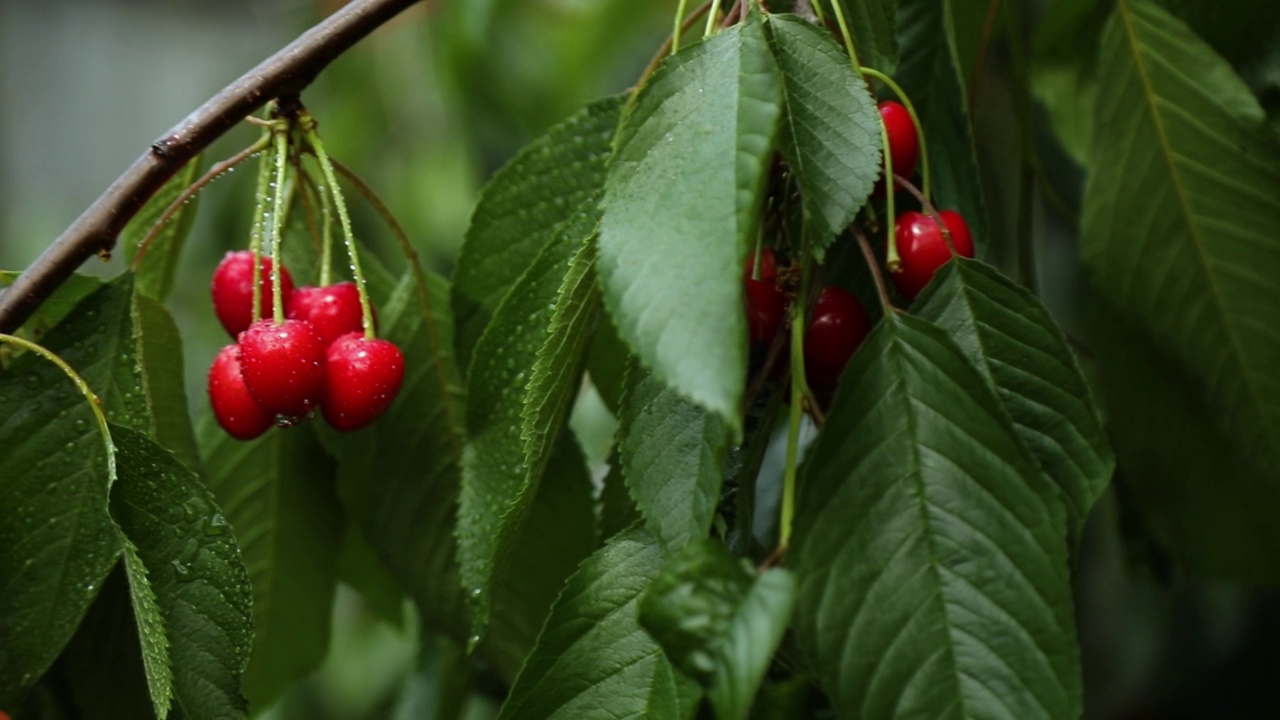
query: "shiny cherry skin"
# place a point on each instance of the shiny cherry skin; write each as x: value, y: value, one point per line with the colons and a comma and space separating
x: 923, y: 249
x: 768, y: 266
x: 362, y: 378
x: 765, y: 307
x: 233, y: 405
x: 283, y: 365
x: 904, y: 143
x: 839, y: 326
x: 332, y: 310
x: 233, y: 290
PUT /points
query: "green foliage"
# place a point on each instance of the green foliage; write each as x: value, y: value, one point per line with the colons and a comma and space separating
x: 57, y: 306
x: 718, y: 621
x: 1009, y: 336
x: 522, y: 207
x: 830, y: 128
x: 160, y: 258
x: 277, y: 493
x: 1178, y: 235
x: 918, y: 473
x: 593, y: 660
x: 57, y: 541
x: 930, y: 75
x: 672, y: 454
x: 871, y: 23
x: 671, y: 252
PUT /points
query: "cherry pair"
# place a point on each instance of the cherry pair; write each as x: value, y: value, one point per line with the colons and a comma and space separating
x: 838, y: 327
x: 279, y: 372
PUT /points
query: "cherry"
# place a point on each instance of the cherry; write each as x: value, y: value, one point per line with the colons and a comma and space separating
x: 233, y: 290
x: 233, y: 405
x: 283, y: 365
x: 362, y: 378
x: 768, y: 266
x: 839, y: 326
x: 904, y: 144
x: 333, y: 310
x: 765, y: 306
x: 923, y: 249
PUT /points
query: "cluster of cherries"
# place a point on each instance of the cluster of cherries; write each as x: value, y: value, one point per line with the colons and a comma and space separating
x: 838, y: 327
x: 277, y: 373
x: 840, y: 323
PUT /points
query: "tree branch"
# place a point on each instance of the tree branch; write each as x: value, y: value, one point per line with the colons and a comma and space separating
x: 285, y: 73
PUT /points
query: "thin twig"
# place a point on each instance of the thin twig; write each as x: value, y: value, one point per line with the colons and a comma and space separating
x: 882, y: 291
x: 288, y: 72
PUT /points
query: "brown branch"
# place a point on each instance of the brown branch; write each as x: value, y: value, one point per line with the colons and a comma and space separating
x: 285, y: 73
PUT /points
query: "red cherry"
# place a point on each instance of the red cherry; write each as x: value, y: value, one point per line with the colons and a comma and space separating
x: 904, y: 144
x: 283, y: 365
x: 333, y: 311
x: 233, y: 405
x: 768, y: 266
x: 233, y: 290
x: 765, y: 306
x: 923, y: 249
x: 838, y: 327
x: 362, y: 378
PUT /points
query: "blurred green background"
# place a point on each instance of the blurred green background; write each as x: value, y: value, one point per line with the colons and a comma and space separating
x: 426, y: 109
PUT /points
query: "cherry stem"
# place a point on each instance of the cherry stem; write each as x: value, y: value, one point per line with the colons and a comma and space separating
x: 915, y: 120
x: 677, y: 26
x: 882, y: 292
x: 95, y: 403
x: 259, y: 219
x: 844, y: 33
x: 929, y: 210
x: 892, y: 260
x: 331, y: 180
x: 326, y: 252
x: 307, y: 187
x: 666, y: 48
x: 277, y: 226
x: 711, y: 19
x: 397, y: 230
x: 190, y: 191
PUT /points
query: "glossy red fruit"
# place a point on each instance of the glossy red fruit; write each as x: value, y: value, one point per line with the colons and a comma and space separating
x: 362, y: 377
x: 233, y: 405
x: 923, y: 249
x: 283, y: 365
x: 839, y: 326
x: 233, y: 290
x: 333, y: 310
x: 765, y: 306
x: 768, y: 266
x: 904, y: 143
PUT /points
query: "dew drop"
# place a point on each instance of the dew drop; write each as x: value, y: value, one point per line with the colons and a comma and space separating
x: 216, y: 525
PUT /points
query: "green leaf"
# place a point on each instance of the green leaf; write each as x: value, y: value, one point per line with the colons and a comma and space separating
x: 930, y: 75
x: 57, y: 542
x: 593, y: 660
x: 56, y: 307
x: 1179, y: 222
x: 830, y: 134
x: 277, y: 493
x: 1064, y: 67
x: 871, y: 23
x: 106, y: 690
x: 1210, y: 506
x: 191, y: 563
x: 501, y: 471
x: 559, y: 533
x: 557, y: 367
x: 1008, y: 334
x: 159, y: 349
x: 151, y: 630
x: 718, y: 621
x: 672, y: 454
x: 521, y: 209
x: 616, y: 509
x: 401, y: 474
x: 680, y: 210
x: 160, y: 261
x: 930, y: 551
x: 607, y: 360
